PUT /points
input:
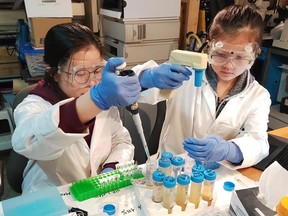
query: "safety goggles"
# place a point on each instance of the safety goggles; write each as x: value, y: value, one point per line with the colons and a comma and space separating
x: 241, y: 56
x: 82, y: 74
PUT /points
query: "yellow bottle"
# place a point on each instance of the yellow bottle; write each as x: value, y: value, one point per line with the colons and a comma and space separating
x: 196, y: 188
x: 169, y: 193
x: 183, y: 181
x: 282, y: 208
x: 208, y: 185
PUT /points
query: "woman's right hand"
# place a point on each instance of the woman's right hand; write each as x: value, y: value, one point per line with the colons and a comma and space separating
x: 115, y: 90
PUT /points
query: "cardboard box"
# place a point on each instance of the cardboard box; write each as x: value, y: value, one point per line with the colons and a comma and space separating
x: 39, y: 27
x: 48, y: 8
x: 9, y: 64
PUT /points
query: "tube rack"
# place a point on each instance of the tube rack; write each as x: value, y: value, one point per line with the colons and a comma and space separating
x: 106, y: 182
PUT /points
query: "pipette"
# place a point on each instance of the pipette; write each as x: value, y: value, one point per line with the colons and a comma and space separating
x: 134, y: 110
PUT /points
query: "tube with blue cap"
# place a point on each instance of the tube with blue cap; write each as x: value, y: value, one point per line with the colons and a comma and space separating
x: 191, y: 60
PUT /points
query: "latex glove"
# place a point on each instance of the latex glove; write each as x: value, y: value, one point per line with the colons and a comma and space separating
x: 115, y: 90
x: 164, y: 76
x: 107, y: 169
x: 212, y: 148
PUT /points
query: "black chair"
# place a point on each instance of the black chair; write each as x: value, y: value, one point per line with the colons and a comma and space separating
x: 16, y: 162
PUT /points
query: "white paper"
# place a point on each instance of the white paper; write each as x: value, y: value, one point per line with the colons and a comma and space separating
x: 273, y: 185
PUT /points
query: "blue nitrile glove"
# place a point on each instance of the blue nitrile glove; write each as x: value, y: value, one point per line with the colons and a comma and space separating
x: 164, y: 76
x: 212, y: 148
x: 115, y: 90
x: 107, y: 169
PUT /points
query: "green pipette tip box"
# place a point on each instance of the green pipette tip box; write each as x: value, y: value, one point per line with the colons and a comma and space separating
x: 103, y: 183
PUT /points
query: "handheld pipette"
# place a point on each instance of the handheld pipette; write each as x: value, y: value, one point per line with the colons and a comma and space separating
x: 134, y: 111
x: 193, y: 61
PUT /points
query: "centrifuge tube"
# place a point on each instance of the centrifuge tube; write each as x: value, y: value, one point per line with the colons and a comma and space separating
x: 168, y: 155
x: 151, y: 166
x: 164, y: 164
x: 183, y: 181
x: 197, y: 179
x: 158, y: 177
x: 169, y: 193
x: 177, y: 164
x: 208, y: 185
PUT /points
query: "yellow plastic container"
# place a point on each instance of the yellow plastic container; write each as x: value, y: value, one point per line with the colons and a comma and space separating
x: 282, y: 208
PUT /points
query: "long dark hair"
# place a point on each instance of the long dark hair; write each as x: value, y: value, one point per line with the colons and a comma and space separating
x: 61, y: 42
x: 236, y: 19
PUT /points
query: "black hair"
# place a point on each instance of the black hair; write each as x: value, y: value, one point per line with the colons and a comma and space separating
x: 64, y: 40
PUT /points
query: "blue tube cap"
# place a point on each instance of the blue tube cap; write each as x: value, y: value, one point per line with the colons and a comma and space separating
x: 110, y: 209
x: 229, y: 186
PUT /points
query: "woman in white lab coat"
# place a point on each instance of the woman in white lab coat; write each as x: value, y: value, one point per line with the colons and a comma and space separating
x: 68, y: 126
x: 225, y: 120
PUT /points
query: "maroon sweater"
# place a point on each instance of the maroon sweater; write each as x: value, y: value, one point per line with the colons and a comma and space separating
x: 69, y: 121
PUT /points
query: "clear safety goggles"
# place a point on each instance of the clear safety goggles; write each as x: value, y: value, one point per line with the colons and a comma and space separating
x: 241, y: 56
x: 82, y: 74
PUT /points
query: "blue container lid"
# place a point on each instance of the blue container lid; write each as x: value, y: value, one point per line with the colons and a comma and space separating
x: 177, y: 161
x: 209, y: 174
x: 110, y: 209
x: 183, y: 179
x: 164, y: 162
x: 198, y: 168
x: 167, y: 155
x: 229, y: 186
x: 197, y: 177
x: 158, y: 175
x: 169, y: 182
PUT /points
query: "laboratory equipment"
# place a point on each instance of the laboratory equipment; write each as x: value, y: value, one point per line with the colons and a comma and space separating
x: 183, y: 181
x: 168, y: 155
x: 164, y: 164
x: 208, y: 185
x: 197, y: 179
x: 151, y: 166
x: 192, y: 60
x: 177, y: 164
x: 169, y: 193
x: 133, y: 109
x: 158, y: 177
x: 97, y: 185
x: 189, y: 163
x: 198, y: 168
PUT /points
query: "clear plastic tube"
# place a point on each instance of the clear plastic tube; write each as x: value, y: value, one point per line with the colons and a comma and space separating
x: 196, y: 188
x: 183, y: 181
x: 169, y: 193
x: 208, y: 185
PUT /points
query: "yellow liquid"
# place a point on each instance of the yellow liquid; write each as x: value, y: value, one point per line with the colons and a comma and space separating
x: 168, y: 197
x: 181, y: 196
x: 195, y: 193
x: 207, y: 192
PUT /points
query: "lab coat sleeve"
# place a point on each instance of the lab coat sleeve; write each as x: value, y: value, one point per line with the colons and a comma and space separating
x: 122, y: 148
x: 37, y: 135
x: 253, y: 139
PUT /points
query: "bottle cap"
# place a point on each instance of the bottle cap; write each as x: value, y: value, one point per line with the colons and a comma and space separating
x: 158, y: 175
x: 197, y: 177
x: 229, y: 186
x: 198, y: 168
x: 177, y: 161
x: 164, y: 162
x: 169, y: 182
x: 110, y: 209
x: 282, y: 208
x: 168, y: 155
x: 209, y: 174
x: 183, y: 179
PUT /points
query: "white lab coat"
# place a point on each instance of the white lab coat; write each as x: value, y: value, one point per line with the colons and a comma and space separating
x: 58, y: 158
x: 191, y: 112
